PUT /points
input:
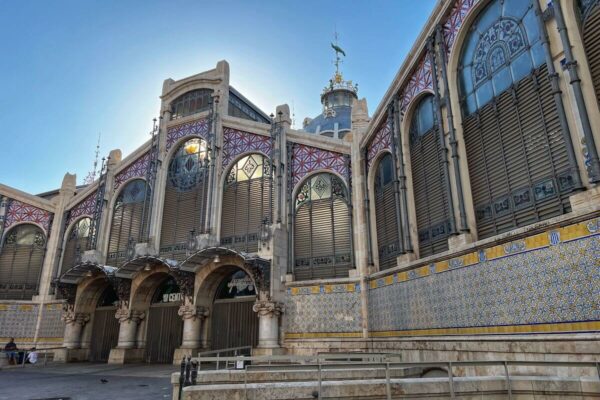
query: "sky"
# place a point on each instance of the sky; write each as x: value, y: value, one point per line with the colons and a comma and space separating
x: 73, y: 69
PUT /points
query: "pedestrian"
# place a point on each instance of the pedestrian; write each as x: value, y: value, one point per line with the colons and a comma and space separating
x: 32, y: 357
x: 11, y: 351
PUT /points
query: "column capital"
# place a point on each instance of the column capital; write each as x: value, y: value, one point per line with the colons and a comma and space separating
x: 268, y: 308
x: 127, y: 315
x: 190, y: 311
x: 71, y: 317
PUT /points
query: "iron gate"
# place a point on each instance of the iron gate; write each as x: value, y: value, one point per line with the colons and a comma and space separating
x: 164, y: 332
x: 105, y: 333
x: 234, y: 323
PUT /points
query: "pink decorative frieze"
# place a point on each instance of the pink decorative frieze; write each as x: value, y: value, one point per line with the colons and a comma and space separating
x: 193, y: 128
x: 136, y: 169
x: 84, y: 208
x: 307, y: 159
x: 18, y: 212
x: 455, y: 20
x: 239, y: 142
x: 419, y: 81
x: 382, y: 141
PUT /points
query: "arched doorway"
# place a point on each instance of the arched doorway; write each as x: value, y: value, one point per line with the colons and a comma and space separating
x: 164, y: 326
x: 105, y: 327
x: 234, y: 323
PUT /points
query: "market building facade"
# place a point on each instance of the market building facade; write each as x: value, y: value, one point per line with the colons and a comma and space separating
x: 462, y: 217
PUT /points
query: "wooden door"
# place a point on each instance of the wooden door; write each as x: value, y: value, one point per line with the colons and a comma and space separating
x: 234, y: 323
x: 164, y: 332
x: 105, y: 333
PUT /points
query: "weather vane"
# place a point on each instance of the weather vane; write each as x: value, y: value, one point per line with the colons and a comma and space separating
x: 338, y: 50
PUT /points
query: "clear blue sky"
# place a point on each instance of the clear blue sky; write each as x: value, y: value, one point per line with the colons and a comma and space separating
x: 72, y: 69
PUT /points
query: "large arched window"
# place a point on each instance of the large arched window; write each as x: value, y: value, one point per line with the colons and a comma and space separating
x: 190, y: 103
x: 21, y: 260
x: 590, y: 25
x: 431, y: 199
x: 247, y: 202
x: 517, y: 158
x: 126, y: 226
x: 76, y: 244
x: 322, y: 234
x: 385, y: 213
x: 186, y: 194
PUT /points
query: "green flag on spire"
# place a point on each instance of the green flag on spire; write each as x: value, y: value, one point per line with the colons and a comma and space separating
x: 338, y: 49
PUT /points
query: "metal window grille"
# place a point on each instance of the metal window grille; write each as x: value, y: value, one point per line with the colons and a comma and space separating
x: 190, y: 103
x: 385, y: 213
x: 76, y: 243
x: 21, y: 259
x: 247, y: 203
x: 322, y: 229
x: 591, y: 38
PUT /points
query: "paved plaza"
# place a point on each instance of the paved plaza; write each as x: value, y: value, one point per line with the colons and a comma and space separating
x: 83, y: 381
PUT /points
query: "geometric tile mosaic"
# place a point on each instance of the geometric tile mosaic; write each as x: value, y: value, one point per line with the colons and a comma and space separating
x: 555, y: 284
x: 236, y: 142
x: 52, y: 326
x: 193, y: 128
x: 17, y: 212
x: 326, y: 308
x: 136, y: 169
x: 84, y: 208
x: 18, y: 320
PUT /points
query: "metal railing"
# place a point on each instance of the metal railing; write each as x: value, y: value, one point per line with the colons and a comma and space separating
x: 322, y: 363
x: 45, y: 351
x: 222, y: 354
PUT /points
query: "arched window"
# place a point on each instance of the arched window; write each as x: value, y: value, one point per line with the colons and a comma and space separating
x: 431, y: 199
x: 247, y: 202
x: 590, y: 24
x: 21, y: 260
x: 518, y: 164
x: 385, y: 213
x: 126, y: 226
x: 76, y: 244
x: 186, y: 194
x: 190, y: 103
x: 322, y: 234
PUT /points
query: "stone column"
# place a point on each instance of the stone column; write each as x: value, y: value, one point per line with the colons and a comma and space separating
x: 128, y: 323
x: 74, y: 323
x: 193, y: 318
x: 268, y: 323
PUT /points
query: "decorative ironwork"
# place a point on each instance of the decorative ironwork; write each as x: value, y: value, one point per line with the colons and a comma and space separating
x: 122, y: 287
x: 136, y: 169
x: 236, y: 142
x: 308, y: 159
x: 84, y: 208
x: 194, y: 128
x: 18, y: 212
x: 67, y: 291
x: 185, y: 280
x: 421, y: 80
x: 188, y: 167
x: 98, y: 205
x: 260, y: 271
x: 455, y: 19
x: 381, y: 141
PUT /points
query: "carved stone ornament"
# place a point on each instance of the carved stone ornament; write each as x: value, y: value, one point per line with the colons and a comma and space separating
x: 190, y: 311
x: 67, y: 291
x: 268, y: 308
x: 125, y: 315
x: 260, y: 270
x: 185, y: 280
x: 71, y: 317
x: 123, y: 288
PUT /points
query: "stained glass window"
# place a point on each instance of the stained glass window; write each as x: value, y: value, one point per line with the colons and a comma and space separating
x: 423, y: 119
x: 320, y: 187
x: 190, y: 103
x: 503, y: 46
x: 188, y: 165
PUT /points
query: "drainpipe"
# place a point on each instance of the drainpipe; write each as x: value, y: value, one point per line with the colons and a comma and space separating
x: 393, y: 129
x: 557, y: 94
x: 443, y: 150
x: 571, y: 64
x: 464, y: 226
x: 402, y: 175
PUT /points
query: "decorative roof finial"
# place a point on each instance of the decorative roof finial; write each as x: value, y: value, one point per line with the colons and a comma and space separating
x: 338, y: 50
x: 91, y: 176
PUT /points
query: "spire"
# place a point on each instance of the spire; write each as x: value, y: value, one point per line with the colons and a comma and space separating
x: 91, y: 176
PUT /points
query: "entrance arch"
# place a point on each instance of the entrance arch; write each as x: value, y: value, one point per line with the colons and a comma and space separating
x: 104, y: 327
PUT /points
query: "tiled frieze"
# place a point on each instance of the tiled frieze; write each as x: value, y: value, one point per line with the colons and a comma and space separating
x: 18, y: 212
x: 18, y: 321
x: 236, y: 142
x: 308, y: 159
x: 546, y: 282
x: 455, y: 20
x: 323, y: 311
x: 420, y: 81
x: 136, y: 169
x: 84, y: 208
x: 193, y: 128
x: 381, y: 142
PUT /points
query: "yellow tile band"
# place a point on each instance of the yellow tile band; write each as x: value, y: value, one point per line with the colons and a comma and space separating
x: 322, y: 335
x: 487, y: 330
